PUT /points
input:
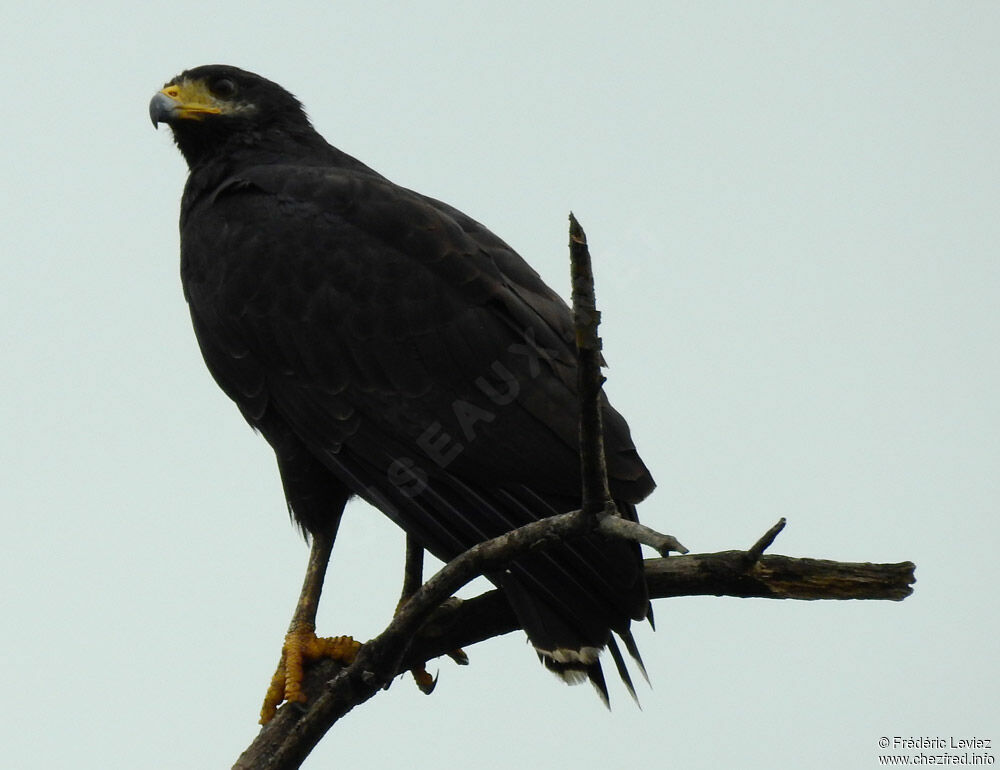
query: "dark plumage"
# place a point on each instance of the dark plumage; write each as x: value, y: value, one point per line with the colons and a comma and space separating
x: 388, y: 346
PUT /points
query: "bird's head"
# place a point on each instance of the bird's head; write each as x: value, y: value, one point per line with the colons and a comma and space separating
x: 216, y: 109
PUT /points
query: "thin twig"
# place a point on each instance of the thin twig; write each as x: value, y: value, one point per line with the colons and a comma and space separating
x: 615, y: 526
x: 758, y: 548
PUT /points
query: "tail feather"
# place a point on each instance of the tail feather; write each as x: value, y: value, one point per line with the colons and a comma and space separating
x: 623, y: 673
x: 569, y: 598
x: 577, y: 667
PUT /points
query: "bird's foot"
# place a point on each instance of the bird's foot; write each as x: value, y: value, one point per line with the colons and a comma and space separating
x: 425, y: 682
x: 302, y: 646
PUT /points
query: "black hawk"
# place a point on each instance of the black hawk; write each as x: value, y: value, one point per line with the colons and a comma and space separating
x: 391, y: 348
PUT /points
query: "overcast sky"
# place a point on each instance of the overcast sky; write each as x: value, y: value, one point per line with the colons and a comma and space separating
x: 792, y: 208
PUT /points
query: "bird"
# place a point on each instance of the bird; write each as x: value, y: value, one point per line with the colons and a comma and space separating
x: 391, y: 348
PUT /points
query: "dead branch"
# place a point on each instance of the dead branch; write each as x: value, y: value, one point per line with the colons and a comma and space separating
x: 596, y: 494
x: 777, y: 577
x: 742, y: 574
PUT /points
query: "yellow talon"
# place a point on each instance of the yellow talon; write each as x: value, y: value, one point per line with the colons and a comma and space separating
x: 302, y: 646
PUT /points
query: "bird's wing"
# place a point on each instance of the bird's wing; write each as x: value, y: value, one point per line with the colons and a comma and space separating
x: 373, y: 318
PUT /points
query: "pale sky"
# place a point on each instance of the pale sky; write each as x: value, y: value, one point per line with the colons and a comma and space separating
x: 792, y: 210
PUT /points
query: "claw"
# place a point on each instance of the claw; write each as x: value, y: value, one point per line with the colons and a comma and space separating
x: 424, y: 680
x: 459, y: 656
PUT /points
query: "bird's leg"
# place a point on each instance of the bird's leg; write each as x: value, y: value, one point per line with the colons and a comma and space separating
x: 301, y: 643
x: 413, y: 578
x: 413, y: 570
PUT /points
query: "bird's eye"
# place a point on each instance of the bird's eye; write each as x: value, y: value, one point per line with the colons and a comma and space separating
x: 223, y: 87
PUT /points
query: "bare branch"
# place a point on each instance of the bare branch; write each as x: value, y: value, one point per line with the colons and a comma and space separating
x: 777, y: 577
x: 586, y: 319
x: 727, y: 573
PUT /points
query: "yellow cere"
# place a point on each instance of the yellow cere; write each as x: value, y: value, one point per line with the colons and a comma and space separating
x: 194, y: 99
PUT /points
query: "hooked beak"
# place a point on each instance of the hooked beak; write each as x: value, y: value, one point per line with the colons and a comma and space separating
x: 162, y: 109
